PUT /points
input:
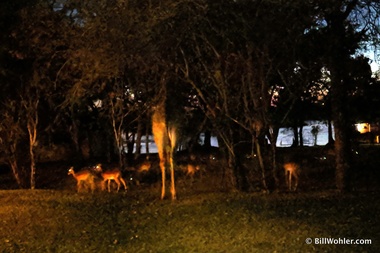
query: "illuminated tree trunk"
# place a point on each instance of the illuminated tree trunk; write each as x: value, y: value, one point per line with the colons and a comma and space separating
x: 15, y: 171
x: 32, y: 141
x: 117, y: 121
x: 32, y: 122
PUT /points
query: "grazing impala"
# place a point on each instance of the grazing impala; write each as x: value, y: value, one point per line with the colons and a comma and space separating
x: 190, y: 169
x: 291, y: 171
x: 109, y: 175
x: 83, y: 177
x: 145, y: 166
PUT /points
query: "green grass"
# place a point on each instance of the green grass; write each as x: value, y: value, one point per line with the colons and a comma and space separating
x: 64, y: 221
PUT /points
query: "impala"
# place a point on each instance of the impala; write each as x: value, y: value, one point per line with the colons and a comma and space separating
x: 291, y: 171
x: 144, y: 167
x: 82, y: 177
x: 190, y: 169
x: 109, y: 175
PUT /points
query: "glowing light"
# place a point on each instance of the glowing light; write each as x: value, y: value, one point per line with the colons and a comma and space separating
x: 363, y: 127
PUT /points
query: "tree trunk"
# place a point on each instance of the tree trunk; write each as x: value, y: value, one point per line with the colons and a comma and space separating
x: 273, y: 134
x: 207, y: 141
x: 138, y: 139
x: 74, y: 133
x: 330, y: 132
x: 340, y: 55
x: 32, y: 170
x: 16, y: 174
x: 33, y: 176
x: 229, y: 180
x: 228, y: 176
x: 295, y: 138
x: 261, y: 163
x: 147, y: 134
x: 301, y: 134
x: 130, y: 144
x: 240, y: 172
x: 32, y: 123
x: 342, y: 145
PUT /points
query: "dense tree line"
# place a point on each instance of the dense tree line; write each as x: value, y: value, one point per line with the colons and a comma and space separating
x: 71, y: 70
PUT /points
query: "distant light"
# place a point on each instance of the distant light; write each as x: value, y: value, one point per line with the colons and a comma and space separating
x: 98, y: 103
x: 363, y: 127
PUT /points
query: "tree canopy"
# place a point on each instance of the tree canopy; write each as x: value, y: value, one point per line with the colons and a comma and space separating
x: 238, y: 68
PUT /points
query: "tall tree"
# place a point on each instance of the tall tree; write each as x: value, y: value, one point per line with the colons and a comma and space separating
x: 345, y: 24
x: 233, y: 59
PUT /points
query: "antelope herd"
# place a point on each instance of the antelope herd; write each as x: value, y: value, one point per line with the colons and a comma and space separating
x: 90, y: 175
x: 91, y: 178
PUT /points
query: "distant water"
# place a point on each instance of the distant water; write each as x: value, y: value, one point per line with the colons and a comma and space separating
x: 153, y: 147
x: 285, y: 137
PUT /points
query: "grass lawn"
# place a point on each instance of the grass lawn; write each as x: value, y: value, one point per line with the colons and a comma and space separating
x: 136, y: 221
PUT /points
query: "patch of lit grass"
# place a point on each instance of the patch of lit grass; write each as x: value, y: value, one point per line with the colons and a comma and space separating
x: 63, y: 221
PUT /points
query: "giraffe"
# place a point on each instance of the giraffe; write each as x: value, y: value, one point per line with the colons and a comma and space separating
x: 165, y: 137
x: 291, y: 171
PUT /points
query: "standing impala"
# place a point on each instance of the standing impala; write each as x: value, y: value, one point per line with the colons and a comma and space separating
x: 83, y: 177
x: 109, y: 175
x: 291, y: 171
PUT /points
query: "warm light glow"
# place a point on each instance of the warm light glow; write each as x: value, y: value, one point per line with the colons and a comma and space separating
x: 363, y: 127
